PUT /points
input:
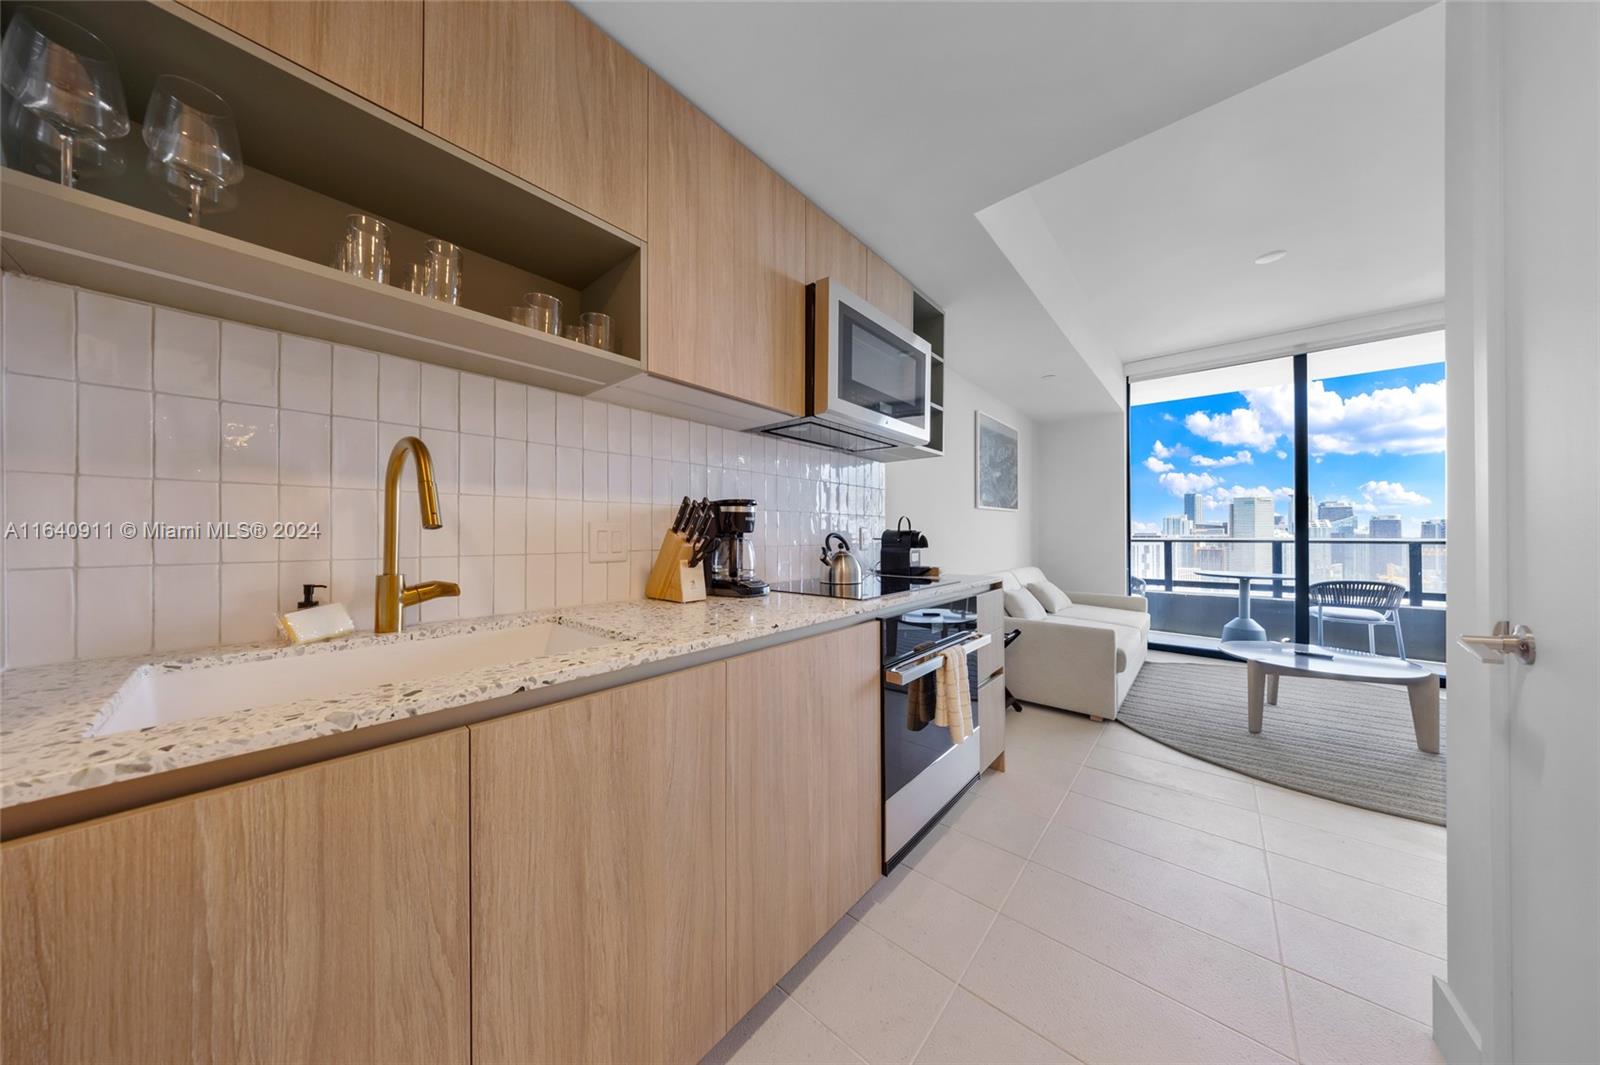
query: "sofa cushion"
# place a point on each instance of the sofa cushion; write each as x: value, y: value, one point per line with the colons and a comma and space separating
x: 1133, y: 619
x: 1020, y: 603
x: 1050, y: 597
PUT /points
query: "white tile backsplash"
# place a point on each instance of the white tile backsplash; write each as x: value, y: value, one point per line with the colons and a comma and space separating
x: 227, y: 422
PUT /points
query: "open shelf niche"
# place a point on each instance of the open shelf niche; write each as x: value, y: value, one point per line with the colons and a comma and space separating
x: 927, y: 321
x: 265, y: 262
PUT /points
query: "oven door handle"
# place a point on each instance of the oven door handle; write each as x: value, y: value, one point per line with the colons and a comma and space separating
x: 904, y: 675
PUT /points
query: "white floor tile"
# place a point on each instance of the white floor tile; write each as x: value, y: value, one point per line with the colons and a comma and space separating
x: 1094, y: 1012
x: 971, y: 1030
x: 777, y: 1031
x: 1395, y: 977
x: 1237, y: 863
x: 1208, y: 815
x: 1335, y: 1028
x: 1121, y: 738
x: 1031, y: 792
x: 1241, y: 917
x: 1424, y: 877
x: 1399, y: 833
x: 1406, y: 919
x: 1177, y: 777
x: 928, y: 920
x: 977, y: 869
x: 998, y: 822
x: 1227, y: 983
x: 880, y: 1000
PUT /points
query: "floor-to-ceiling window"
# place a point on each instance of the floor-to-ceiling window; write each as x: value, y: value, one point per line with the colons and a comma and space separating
x: 1215, y: 467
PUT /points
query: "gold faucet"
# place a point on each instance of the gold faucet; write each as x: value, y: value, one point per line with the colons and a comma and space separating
x: 394, y: 595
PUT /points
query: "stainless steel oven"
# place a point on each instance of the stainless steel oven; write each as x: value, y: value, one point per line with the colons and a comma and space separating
x: 924, y: 772
x: 868, y: 384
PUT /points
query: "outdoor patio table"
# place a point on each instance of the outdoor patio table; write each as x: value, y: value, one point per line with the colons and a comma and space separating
x: 1242, y: 627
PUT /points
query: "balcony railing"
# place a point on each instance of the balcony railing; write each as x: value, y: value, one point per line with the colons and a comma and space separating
x: 1164, y: 568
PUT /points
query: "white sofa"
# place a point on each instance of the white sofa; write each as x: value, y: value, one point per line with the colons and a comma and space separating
x: 1084, y: 656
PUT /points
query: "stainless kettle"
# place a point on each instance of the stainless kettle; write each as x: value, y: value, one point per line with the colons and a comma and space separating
x: 843, y: 567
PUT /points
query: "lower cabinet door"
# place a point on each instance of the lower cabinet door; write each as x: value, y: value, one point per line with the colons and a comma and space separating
x: 992, y: 722
x: 318, y: 915
x: 805, y: 800
x: 598, y: 876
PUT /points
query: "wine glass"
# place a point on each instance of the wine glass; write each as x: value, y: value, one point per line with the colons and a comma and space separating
x: 66, y: 77
x: 191, y: 134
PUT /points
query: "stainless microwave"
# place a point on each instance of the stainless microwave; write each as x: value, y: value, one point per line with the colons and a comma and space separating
x: 867, y: 376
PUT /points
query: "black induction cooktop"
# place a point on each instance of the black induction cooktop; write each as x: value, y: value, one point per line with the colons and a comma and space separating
x: 872, y: 586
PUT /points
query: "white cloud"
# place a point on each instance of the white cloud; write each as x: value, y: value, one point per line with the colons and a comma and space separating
x: 1155, y: 465
x: 1400, y: 421
x: 1182, y: 483
x: 1393, y: 494
x: 1146, y: 527
x: 1281, y: 454
x: 1236, y: 459
x: 1162, y: 451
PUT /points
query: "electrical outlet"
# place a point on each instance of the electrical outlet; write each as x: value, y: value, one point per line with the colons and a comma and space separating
x: 608, y: 541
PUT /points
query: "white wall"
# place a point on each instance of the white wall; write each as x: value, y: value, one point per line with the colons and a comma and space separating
x: 939, y: 495
x: 117, y: 411
x: 1081, y: 524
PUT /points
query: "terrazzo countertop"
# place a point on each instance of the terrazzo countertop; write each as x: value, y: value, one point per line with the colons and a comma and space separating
x: 47, y: 713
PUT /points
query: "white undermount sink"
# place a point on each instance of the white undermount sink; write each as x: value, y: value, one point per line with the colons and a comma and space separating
x: 160, y: 695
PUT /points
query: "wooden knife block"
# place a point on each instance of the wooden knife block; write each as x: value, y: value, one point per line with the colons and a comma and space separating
x: 671, y: 577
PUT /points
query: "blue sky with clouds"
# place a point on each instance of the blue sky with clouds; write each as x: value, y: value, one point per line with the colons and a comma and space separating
x: 1377, y: 440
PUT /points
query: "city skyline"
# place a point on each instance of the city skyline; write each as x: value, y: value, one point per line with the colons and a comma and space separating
x: 1377, y: 443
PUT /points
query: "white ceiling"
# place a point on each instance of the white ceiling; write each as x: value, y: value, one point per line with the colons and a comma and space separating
x: 1150, y: 249
x: 904, y: 120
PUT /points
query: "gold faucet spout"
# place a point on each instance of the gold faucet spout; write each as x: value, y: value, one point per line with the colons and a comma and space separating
x: 393, y: 595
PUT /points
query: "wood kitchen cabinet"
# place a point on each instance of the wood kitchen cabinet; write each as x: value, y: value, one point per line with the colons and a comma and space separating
x: 315, y: 915
x: 537, y: 89
x: 599, y: 877
x: 371, y: 47
x: 804, y: 800
x: 727, y: 262
x: 991, y: 697
x: 887, y: 290
x: 832, y: 251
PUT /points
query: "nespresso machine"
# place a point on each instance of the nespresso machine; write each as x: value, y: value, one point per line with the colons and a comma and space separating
x: 731, y: 562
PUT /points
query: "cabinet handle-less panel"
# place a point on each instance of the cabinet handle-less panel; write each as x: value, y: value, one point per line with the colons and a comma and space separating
x: 313, y: 916
x: 804, y: 799
x: 887, y: 290
x: 727, y: 254
x: 538, y: 89
x: 832, y: 251
x: 598, y: 851
x: 372, y: 48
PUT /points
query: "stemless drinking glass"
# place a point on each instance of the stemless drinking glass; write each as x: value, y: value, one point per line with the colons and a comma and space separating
x: 191, y: 135
x: 441, y: 272
x: 364, y: 252
x: 597, y: 330
x: 573, y: 332
x: 544, y: 312
x: 66, y: 77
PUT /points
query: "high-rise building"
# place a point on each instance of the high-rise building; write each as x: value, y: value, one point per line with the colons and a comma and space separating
x: 1340, y: 516
x: 1433, y: 556
x: 1343, y: 560
x: 1250, y: 518
x: 1147, y: 557
x: 1433, y: 529
x: 1183, y: 552
x: 1387, y: 561
x: 1194, y: 507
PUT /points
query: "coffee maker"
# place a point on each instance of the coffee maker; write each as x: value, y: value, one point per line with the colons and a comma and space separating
x: 731, y: 562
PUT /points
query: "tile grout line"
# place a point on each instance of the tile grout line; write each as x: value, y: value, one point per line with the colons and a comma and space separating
x: 1363, y: 931
x: 995, y: 916
x: 1357, y: 839
x: 1277, y: 933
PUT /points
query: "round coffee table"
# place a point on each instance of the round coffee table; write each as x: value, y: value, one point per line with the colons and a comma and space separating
x: 1269, y: 661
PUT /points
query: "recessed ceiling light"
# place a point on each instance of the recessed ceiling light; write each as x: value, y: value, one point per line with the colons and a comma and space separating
x: 1046, y: 377
x: 1270, y: 257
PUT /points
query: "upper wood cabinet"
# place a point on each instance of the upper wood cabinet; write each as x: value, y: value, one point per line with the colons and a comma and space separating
x: 537, y: 89
x: 598, y: 876
x: 804, y: 742
x: 727, y: 262
x: 316, y: 915
x: 371, y: 47
x: 832, y: 251
x: 887, y: 290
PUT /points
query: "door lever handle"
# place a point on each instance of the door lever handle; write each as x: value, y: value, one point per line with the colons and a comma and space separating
x: 1506, y: 640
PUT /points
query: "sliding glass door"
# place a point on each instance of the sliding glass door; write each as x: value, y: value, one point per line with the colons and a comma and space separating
x: 1252, y: 486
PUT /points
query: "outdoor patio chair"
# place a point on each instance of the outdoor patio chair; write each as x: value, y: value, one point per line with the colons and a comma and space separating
x: 1369, y: 603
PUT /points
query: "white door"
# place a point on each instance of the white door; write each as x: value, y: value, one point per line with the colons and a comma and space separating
x: 1523, y: 287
